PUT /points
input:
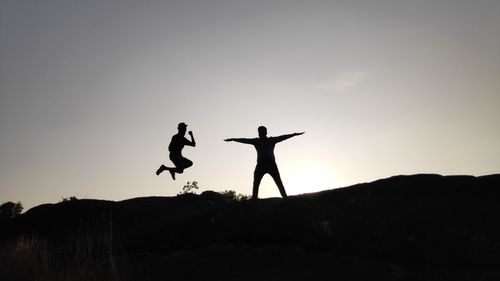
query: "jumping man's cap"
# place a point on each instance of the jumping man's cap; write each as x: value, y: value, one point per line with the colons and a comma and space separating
x: 181, y: 125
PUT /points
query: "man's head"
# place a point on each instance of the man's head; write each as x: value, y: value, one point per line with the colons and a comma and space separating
x: 182, y: 127
x: 262, y: 132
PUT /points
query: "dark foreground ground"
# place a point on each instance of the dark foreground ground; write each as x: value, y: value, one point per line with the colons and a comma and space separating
x: 421, y: 227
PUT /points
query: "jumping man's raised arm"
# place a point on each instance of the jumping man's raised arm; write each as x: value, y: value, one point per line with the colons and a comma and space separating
x: 192, y: 142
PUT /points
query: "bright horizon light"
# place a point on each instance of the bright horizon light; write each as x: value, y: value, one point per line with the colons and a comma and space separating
x: 308, y: 179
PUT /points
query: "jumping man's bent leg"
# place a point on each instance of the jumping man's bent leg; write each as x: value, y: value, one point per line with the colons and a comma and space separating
x: 180, y: 163
x: 161, y: 169
x: 172, y: 173
x: 186, y: 163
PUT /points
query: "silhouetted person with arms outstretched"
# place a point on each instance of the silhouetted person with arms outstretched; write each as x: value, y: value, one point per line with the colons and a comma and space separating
x: 176, y: 145
x: 266, y: 163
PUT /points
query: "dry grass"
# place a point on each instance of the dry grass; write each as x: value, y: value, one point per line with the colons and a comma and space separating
x: 85, y: 256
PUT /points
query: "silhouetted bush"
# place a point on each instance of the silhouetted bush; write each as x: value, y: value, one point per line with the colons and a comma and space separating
x: 71, y: 198
x: 189, y: 187
x: 226, y: 195
x: 10, y: 210
x: 230, y: 195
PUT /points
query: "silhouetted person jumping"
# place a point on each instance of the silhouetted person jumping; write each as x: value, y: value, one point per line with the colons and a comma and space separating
x: 176, y: 145
x: 266, y: 163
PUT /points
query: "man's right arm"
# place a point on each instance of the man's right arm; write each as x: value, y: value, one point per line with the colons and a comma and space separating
x: 241, y: 140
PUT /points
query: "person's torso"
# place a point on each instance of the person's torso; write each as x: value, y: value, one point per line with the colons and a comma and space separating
x: 176, y: 144
x: 265, y: 150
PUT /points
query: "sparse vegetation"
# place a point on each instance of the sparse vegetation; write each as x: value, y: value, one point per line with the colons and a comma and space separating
x: 88, y: 255
x: 10, y: 210
x: 68, y: 199
x: 230, y: 195
x: 189, y: 187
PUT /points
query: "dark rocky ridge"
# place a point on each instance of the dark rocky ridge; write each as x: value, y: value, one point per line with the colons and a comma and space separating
x: 420, y: 227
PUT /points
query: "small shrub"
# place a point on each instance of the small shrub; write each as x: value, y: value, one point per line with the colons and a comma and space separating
x: 230, y: 195
x: 71, y: 198
x: 190, y: 187
x: 10, y: 210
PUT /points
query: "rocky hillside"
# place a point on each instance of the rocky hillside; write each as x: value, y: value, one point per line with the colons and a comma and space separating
x: 420, y: 227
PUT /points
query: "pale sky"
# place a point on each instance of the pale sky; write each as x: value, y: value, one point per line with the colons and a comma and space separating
x: 91, y: 92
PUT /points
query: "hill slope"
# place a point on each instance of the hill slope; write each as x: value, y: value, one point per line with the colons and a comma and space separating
x: 420, y: 227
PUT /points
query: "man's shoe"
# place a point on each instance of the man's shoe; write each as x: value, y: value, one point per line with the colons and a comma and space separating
x: 161, y: 169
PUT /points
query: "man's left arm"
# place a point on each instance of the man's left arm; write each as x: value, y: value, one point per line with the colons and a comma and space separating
x: 285, y: 137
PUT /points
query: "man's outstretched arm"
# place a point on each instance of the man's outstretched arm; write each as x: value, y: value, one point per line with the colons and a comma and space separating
x: 285, y: 137
x: 241, y: 140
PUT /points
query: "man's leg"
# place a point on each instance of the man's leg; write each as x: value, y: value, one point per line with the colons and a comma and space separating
x: 180, y: 163
x: 161, y: 169
x: 165, y: 168
x: 186, y: 163
x: 257, y: 177
x: 277, y: 179
x: 176, y: 159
